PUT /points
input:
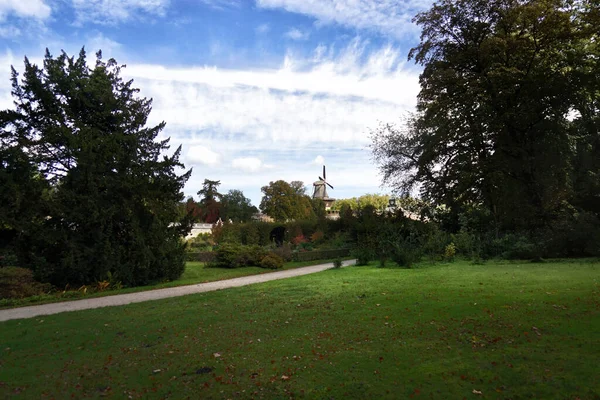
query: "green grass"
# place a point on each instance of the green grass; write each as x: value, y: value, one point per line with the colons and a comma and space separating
x: 507, y: 330
x: 195, y: 272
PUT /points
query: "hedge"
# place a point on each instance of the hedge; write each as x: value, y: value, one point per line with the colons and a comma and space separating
x: 209, y: 256
x: 201, y: 256
x: 320, y: 254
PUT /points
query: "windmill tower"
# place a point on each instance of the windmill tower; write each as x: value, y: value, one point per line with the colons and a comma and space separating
x: 320, y: 190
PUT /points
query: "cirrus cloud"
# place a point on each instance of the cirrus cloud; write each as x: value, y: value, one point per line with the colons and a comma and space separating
x: 390, y: 17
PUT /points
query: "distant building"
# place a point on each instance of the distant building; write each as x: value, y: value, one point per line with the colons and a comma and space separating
x: 262, y: 218
x: 198, y: 229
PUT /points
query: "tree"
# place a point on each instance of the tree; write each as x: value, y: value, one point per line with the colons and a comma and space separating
x: 500, y: 82
x: 210, y: 201
x: 283, y: 202
x: 237, y: 207
x: 107, y: 195
x: 298, y: 187
x: 378, y: 201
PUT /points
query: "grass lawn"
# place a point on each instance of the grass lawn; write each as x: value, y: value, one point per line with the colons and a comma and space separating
x: 496, y: 331
x: 195, y: 272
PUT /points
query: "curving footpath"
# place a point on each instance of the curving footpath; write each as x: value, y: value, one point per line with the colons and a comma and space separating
x: 157, y: 294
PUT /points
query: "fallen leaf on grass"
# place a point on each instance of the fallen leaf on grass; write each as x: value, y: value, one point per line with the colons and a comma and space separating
x: 284, y: 377
x: 476, y: 392
x: 217, y: 355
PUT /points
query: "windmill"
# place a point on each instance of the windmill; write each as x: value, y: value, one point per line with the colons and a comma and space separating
x: 320, y: 190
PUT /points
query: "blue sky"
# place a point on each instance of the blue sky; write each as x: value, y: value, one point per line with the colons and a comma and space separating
x: 254, y: 90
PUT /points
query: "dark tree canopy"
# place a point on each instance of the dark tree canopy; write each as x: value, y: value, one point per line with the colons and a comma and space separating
x: 237, y: 207
x: 507, y: 115
x: 210, y: 201
x: 90, y: 186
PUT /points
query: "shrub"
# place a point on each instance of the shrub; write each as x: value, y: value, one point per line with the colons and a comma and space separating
x: 511, y: 246
x: 337, y: 263
x: 320, y: 254
x: 271, y: 261
x: 317, y: 237
x: 450, y: 252
x: 284, y: 251
x: 299, y: 239
x: 576, y: 235
x: 19, y: 283
x: 8, y: 259
x: 466, y: 244
x: 363, y: 255
x: 201, y: 256
x: 202, y: 242
x: 237, y: 256
x: 434, y: 245
x: 406, y: 252
x: 250, y: 234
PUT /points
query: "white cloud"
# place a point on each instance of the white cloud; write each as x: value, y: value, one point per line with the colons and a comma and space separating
x: 231, y: 122
x: 297, y: 34
x: 386, y: 16
x: 100, y: 42
x: 202, y: 155
x: 263, y: 28
x: 9, y: 31
x: 319, y: 160
x: 382, y: 77
x: 37, y: 9
x: 108, y: 12
x: 221, y: 4
x: 249, y: 164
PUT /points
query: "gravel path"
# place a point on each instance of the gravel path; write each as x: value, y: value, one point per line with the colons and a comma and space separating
x: 122, y: 299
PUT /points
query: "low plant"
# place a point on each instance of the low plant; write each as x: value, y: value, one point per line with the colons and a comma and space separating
x: 284, y: 251
x: 363, y: 255
x: 450, y: 252
x: 406, y: 252
x: 271, y: 261
x: 237, y: 256
x: 337, y: 263
x: 18, y: 283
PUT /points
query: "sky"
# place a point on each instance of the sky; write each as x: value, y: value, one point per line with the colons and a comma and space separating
x: 253, y: 90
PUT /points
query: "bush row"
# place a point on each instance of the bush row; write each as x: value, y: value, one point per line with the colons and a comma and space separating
x: 320, y: 254
x: 238, y: 256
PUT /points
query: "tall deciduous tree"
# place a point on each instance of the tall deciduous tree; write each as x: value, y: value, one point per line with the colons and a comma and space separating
x: 500, y: 84
x: 112, y: 196
x: 283, y: 202
x: 237, y: 207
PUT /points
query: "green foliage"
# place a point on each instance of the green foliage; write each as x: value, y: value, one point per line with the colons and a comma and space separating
x: 363, y: 255
x: 284, y: 251
x: 102, y: 195
x: 237, y: 256
x: 320, y: 254
x: 450, y: 252
x: 574, y: 235
x: 378, y: 201
x: 250, y: 233
x: 284, y: 202
x: 337, y: 263
x: 508, y: 108
x: 19, y: 283
x: 236, y: 207
x: 202, y: 242
x: 406, y: 251
x: 271, y: 261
